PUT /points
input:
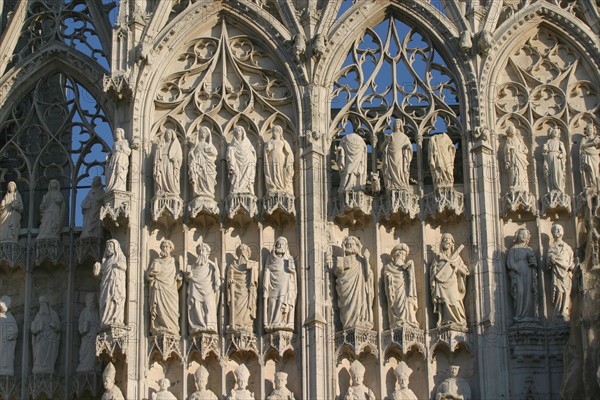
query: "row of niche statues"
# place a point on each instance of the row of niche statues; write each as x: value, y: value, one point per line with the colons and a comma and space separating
x: 397, y: 153
x: 241, y: 163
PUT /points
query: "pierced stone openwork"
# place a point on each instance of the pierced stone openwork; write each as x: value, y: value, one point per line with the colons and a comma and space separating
x: 83, y: 383
x: 356, y: 340
x: 405, y: 337
x: 10, y: 387
x: 48, y: 385
x: 205, y: 344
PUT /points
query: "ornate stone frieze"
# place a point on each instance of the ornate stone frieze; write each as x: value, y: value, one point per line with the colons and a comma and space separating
x: 353, y: 208
x: 452, y: 336
x: 527, y: 342
x: 167, y: 209
x: 398, y: 207
x: 165, y: 346
x: 278, y: 208
x: 357, y: 340
x: 205, y: 344
x: 280, y: 341
x: 518, y: 202
x: 12, y: 254
x: 89, y: 248
x: 556, y: 202
x: 50, y: 251
x: 47, y: 385
x: 115, y: 209
x: 203, y: 207
x: 443, y: 205
x: 405, y: 337
x: 241, y: 341
x: 118, y: 86
x: 112, y: 340
x: 85, y: 382
x: 10, y: 387
x: 241, y: 207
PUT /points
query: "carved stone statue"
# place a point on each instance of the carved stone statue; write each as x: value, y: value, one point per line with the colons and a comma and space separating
x: 52, y: 211
x: 8, y: 338
x: 112, y: 285
x: 167, y: 164
x: 112, y: 391
x: 89, y: 323
x: 241, y: 383
x: 400, y: 288
x: 453, y: 387
x: 163, y: 393
x: 589, y: 154
x: 515, y: 160
x: 242, y: 281
x: 117, y: 163
x: 204, y: 282
x: 560, y: 262
x: 164, y: 282
x: 441, y: 153
x: 281, y: 391
x: 11, y: 208
x: 241, y: 163
x: 354, y: 286
x: 402, y: 372
x: 45, y: 330
x: 279, y: 164
x: 352, y: 162
x: 555, y: 157
x: 202, y: 160
x: 522, y: 268
x: 280, y: 288
x: 358, y: 391
x: 448, y: 283
x: 201, y: 393
x: 90, y: 208
x: 397, y: 155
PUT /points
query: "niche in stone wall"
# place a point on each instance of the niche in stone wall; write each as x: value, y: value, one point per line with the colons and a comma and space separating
x: 287, y: 364
x: 171, y: 370
x: 251, y: 362
x: 416, y: 361
x: 212, y: 365
x: 443, y: 358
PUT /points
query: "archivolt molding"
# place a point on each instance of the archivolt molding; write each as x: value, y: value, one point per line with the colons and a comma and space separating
x: 55, y: 57
x: 586, y: 44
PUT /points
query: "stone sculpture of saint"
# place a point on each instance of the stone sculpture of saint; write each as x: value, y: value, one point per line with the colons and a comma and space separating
x: 112, y: 391
x: 352, y: 162
x: 400, y: 288
x: 240, y: 391
x: 112, y: 272
x: 89, y: 323
x: 555, y: 157
x: 202, y: 393
x: 11, y: 208
x: 397, y: 155
x: 8, y: 339
x: 358, y: 390
x: 164, y: 282
x: 441, y: 153
x: 242, y: 282
x: 448, y: 274
x: 354, y: 286
x: 402, y: 372
x: 90, y: 208
x: 522, y: 269
x: 52, y: 211
x: 281, y: 391
x: 117, y: 163
x: 167, y: 164
x: 163, y: 392
x: 279, y: 163
x: 45, y: 330
x: 241, y: 163
x: 204, y: 282
x: 202, y: 165
x: 589, y: 158
x: 280, y: 288
x: 560, y: 262
x: 515, y: 160
x: 453, y: 387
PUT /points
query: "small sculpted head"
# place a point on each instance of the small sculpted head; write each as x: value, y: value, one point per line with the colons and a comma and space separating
x: 201, y: 377
x: 351, y: 245
x: 203, y: 133
x: 239, y: 133
x: 44, y: 305
x: 5, y: 303
x: 90, y: 300
x: 241, y: 376
x: 511, y: 131
x: 164, y: 384
x: 243, y: 252
x: 119, y: 134
x: 97, y: 182
x: 557, y: 231
x: 277, y: 132
x: 357, y: 372
x: 12, y: 187
x: 554, y: 132
x: 398, y: 125
x: 280, y: 248
x: 53, y: 186
x: 166, y: 248
x: 280, y: 380
x: 454, y: 369
x: 522, y: 236
x: 108, y: 376
x: 447, y: 244
x: 402, y: 372
x: 399, y: 253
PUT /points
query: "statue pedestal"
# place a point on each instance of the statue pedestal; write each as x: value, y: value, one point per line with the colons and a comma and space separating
x: 165, y: 345
x: 405, y: 338
x: 241, y: 207
x: 527, y: 340
x: 48, y: 250
x: 89, y: 248
x: 442, y: 206
x: 278, y: 208
x: 241, y: 341
x: 356, y: 341
x: 116, y: 205
x: 167, y: 209
x: 85, y: 382
x: 10, y: 387
x: 204, y: 344
x: 518, y: 202
x: 353, y: 209
x: 398, y: 207
x: 452, y: 336
x: 11, y: 254
x: 112, y: 340
x: 44, y: 384
x: 203, y: 211
x: 556, y: 202
x: 280, y: 342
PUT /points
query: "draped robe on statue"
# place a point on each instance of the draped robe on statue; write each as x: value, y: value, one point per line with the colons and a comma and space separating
x: 352, y: 161
x: 113, y: 287
x: 554, y: 164
x: 280, y: 286
x: 448, y: 288
x: 523, y: 277
x: 441, y: 153
x: 46, y: 339
x: 8, y: 342
x: 401, y: 292
x: 241, y: 161
x: 203, y: 168
x: 167, y: 165
x: 242, y: 284
x: 11, y: 208
x: 164, y: 297
x: 397, y: 156
x: 354, y: 287
x: 202, y: 296
x: 117, y: 166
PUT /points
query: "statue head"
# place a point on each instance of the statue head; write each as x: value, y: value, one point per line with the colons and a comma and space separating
x: 44, y: 304
x: 590, y: 130
x: 204, y: 133
x: 357, y: 373
x: 511, y: 131
x: 97, y: 182
x: 108, y: 376
x: 113, y: 248
x: 241, y: 376
x: 243, y: 252
x: 5, y: 303
x: 402, y: 372
x: 239, y: 133
x: 399, y: 253
x: 280, y: 380
x: 201, y: 376
x: 277, y: 132
x: 53, y: 186
x: 454, y: 369
x: 280, y: 248
x: 554, y: 132
x: 90, y: 300
x: 447, y: 243
x: 203, y: 249
x: 522, y: 236
x: 164, y: 384
x: 169, y: 134
x: 166, y: 248
x: 119, y: 134
x: 351, y: 245
x: 557, y: 231
x: 12, y: 187
x: 398, y: 125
